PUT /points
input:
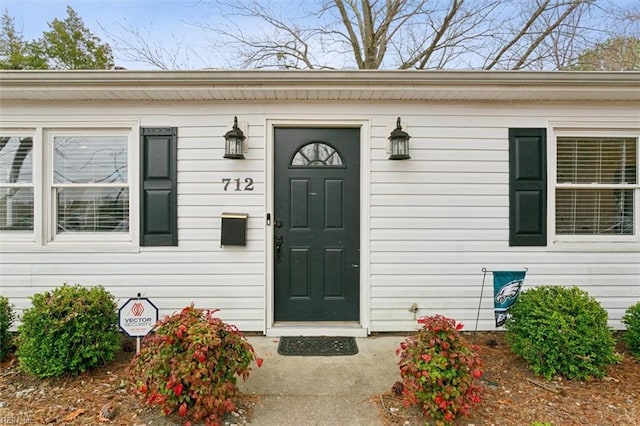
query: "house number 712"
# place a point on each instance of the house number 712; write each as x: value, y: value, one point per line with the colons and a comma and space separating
x: 236, y: 185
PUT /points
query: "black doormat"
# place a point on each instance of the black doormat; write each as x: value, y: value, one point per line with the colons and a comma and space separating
x: 317, y: 346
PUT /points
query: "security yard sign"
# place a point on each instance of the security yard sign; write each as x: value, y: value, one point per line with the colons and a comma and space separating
x: 137, y: 317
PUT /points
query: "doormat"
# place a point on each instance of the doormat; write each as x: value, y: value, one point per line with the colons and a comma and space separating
x: 317, y: 346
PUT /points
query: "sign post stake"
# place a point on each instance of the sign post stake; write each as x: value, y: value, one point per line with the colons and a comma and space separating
x: 138, y: 338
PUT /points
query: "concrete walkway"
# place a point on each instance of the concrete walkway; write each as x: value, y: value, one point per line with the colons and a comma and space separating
x: 332, y: 390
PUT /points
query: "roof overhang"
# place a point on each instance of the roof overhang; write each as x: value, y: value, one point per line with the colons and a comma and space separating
x: 261, y: 86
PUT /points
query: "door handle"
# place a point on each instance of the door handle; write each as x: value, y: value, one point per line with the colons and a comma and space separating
x: 279, y: 241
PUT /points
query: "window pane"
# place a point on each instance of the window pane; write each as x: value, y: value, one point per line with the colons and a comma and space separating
x: 594, y: 211
x: 317, y: 154
x: 597, y: 160
x: 93, y: 210
x: 16, y: 176
x: 90, y: 159
x: 16, y: 160
x: 16, y: 209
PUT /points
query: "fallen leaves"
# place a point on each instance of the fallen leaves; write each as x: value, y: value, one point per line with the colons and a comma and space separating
x: 545, y: 385
x: 81, y: 400
x: 72, y: 416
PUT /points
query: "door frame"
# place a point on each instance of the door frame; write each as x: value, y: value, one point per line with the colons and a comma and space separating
x: 361, y: 327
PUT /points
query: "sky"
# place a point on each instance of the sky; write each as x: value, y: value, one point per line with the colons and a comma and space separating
x: 164, y: 20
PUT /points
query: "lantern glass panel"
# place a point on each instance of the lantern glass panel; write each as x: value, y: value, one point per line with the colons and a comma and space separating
x: 233, y: 148
x: 399, y: 149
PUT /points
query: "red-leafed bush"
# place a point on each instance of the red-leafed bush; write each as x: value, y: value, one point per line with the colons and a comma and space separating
x: 440, y: 370
x: 189, y: 366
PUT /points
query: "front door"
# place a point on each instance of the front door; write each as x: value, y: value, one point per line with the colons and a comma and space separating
x: 317, y: 224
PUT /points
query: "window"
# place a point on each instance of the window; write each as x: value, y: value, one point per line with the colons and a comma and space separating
x: 317, y: 154
x: 16, y: 183
x: 89, y: 184
x: 596, y: 185
x: 65, y: 185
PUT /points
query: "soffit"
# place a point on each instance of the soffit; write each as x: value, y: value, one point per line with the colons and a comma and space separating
x: 293, y: 86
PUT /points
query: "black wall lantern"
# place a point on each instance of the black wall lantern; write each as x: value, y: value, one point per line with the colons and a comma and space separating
x: 399, y: 143
x: 234, y: 142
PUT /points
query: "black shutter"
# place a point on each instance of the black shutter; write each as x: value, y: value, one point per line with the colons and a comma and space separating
x: 159, y: 187
x: 528, y: 187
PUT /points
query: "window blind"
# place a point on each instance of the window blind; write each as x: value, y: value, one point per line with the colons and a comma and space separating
x: 91, y: 183
x: 595, y: 185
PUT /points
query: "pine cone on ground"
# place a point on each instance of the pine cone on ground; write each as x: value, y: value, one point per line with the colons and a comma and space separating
x: 107, y: 412
x: 397, y: 388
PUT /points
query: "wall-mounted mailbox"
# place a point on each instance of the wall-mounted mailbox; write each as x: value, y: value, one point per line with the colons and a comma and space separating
x: 234, y: 229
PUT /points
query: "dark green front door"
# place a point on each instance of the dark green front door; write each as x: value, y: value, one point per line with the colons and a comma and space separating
x: 317, y: 224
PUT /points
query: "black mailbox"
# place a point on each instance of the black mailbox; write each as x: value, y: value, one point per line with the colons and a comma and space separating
x: 234, y: 229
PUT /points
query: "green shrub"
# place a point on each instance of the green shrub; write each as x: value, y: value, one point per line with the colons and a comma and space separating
x: 561, y: 331
x: 188, y: 366
x: 631, y: 319
x: 68, y: 331
x: 439, y: 370
x: 6, y: 320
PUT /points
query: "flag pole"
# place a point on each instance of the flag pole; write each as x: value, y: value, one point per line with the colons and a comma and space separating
x: 475, y: 331
x: 485, y: 270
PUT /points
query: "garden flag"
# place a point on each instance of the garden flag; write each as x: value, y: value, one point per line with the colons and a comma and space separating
x: 506, y: 289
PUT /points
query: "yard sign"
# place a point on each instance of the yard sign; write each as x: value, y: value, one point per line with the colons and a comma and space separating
x: 137, y: 317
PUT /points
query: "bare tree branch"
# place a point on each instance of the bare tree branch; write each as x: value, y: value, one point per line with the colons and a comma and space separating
x: 541, y: 8
x: 418, y: 34
x: 353, y: 38
x: 136, y: 45
x: 286, y: 45
x: 424, y: 33
x: 425, y: 55
x: 534, y: 45
x: 442, y: 36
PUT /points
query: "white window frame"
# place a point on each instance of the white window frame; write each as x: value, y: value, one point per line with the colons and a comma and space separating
x: 592, y: 129
x: 50, y: 187
x: 43, y: 236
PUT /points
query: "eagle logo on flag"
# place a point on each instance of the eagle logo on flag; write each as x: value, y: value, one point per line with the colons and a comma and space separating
x: 509, y: 291
x: 506, y: 289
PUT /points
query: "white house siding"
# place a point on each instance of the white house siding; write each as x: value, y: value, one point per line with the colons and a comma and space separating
x: 198, y: 271
x: 439, y: 218
x: 435, y: 220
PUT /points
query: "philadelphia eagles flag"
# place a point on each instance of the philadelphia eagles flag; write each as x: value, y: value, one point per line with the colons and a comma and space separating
x: 506, y: 289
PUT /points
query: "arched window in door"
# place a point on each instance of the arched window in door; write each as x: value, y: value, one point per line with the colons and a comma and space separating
x: 317, y: 154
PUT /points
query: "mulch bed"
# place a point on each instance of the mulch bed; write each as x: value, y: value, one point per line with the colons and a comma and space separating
x: 513, y: 395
